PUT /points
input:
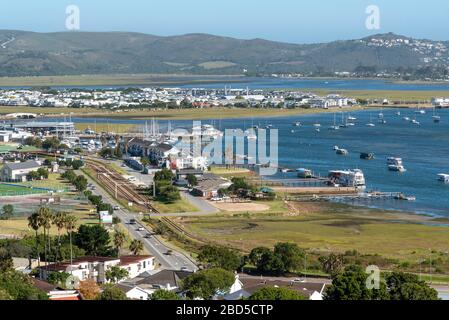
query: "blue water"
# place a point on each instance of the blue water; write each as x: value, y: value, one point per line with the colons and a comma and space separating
x: 331, y: 84
x: 424, y: 149
x: 276, y: 83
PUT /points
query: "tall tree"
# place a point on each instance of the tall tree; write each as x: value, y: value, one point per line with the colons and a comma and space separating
x: 45, y: 219
x: 136, y: 247
x: 332, y: 264
x: 70, y: 226
x: 59, y: 221
x: 34, y: 223
x: 94, y: 240
x: 119, y: 240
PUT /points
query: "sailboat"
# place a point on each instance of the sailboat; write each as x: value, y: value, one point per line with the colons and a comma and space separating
x: 334, y: 127
x: 436, y: 118
x: 370, y: 123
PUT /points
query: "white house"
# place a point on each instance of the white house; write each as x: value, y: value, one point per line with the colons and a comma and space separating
x: 95, y: 268
x: 249, y: 285
x: 18, y: 171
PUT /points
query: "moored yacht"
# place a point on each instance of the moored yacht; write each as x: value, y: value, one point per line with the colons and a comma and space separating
x: 395, y: 164
x: 443, y: 177
x: 347, y: 178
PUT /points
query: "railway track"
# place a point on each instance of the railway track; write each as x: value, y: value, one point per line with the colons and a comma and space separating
x: 179, y: 229
x: 118, y: 186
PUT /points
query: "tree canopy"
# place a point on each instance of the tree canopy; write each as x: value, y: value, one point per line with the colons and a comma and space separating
x: 206, y: 283
x: 272, y: 293
x: 162, y: 294
x: 220, y: 257
x: 94, y: 240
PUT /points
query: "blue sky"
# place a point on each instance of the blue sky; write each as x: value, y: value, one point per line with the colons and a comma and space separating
x: 300, y: 21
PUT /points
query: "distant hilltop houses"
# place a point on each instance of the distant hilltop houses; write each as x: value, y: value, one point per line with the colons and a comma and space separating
x: 167, y: 97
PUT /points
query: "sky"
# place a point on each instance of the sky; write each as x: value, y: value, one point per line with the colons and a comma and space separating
x: 296, y: 21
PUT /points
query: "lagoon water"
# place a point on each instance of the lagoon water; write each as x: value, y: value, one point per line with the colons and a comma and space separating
x: 260, y: 83
x: 325, y: 84
x: 424, y: 149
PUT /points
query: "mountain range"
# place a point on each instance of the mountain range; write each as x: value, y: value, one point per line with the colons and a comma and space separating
x: 25, y: 53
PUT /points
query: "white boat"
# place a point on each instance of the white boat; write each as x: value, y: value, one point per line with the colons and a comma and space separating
x: 297, y: 124
x: 351, y: 118
x: 334, y: 127
x: 317, y: 130
x: 348, y: 178
x: 317, y: 125
x: 443, y: 177
x: 370, y: 123
x: 414, y: 121
x: 304, y: 173
x: 436, y: 118
x: 342, y: 152
x: 336, y: 148
x: 395, y: 164
x: 398, y: 113
x: 406, y: 118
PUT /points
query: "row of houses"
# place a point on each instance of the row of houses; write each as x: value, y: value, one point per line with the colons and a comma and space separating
x: 95, y: 268
x: 142, y: 287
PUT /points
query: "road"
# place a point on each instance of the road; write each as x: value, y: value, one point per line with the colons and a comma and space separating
x: 204, y: 207
x: 152, y: 244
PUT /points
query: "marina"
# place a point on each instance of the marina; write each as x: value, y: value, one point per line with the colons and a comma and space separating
x: 423, y: 148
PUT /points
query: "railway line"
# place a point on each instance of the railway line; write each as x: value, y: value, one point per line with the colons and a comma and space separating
x: 179, y: 229
x: 113, y: 182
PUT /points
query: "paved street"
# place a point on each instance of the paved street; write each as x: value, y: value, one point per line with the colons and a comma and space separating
x: 152, y: 244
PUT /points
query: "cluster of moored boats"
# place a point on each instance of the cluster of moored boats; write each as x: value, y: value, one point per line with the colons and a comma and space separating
x: 350, y: 121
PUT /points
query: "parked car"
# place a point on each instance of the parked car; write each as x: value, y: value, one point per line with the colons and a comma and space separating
x: 141, y: 229
x: 169, y: 252
x: 116, y: 208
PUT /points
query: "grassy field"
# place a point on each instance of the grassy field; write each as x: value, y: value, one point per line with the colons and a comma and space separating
x: 324, y: 227
x: 180, y: 206
x: 231, y: 172
x: 125, y: 80
x: 104, y: 127
x: 19, y: 226
x: 178, y: 114
x: 13, y: 148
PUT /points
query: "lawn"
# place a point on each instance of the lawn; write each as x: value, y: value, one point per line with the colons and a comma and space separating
x: 105, y: 127
x: 180, y: 206
x: 231, y: 172
x: 19, y: 226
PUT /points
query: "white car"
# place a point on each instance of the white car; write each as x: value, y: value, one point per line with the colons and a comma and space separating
x: 216, y: 199
x: 141, y: 229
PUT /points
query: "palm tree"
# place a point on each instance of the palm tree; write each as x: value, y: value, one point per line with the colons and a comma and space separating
x: 136, y: 247
x: 70, y: 225
x: 119, y: 240
x: 59, y: 222
x: 45, y: 219
x: 33, y: 223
